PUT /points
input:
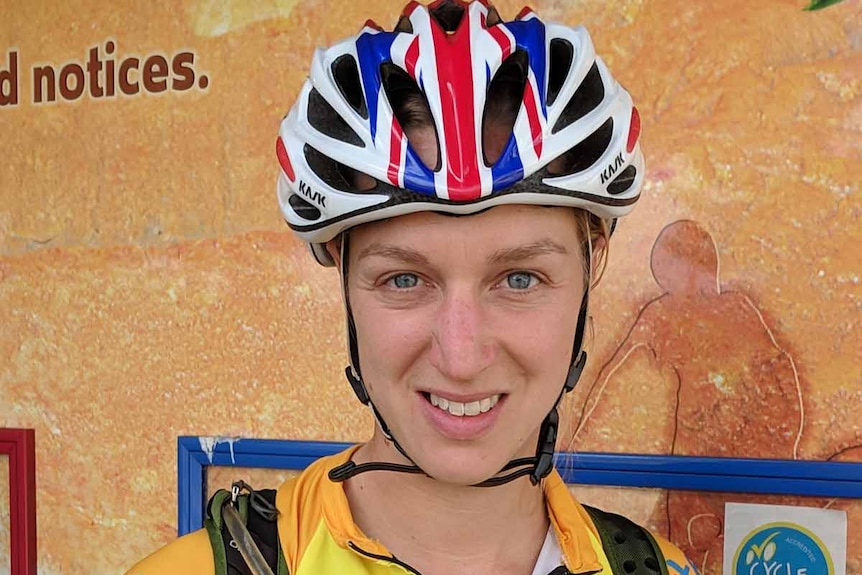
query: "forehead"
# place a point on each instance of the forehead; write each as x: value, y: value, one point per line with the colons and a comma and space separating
x: 482, y: 233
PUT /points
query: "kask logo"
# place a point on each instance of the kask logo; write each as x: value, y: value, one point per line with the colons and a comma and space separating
x: 782, y: 549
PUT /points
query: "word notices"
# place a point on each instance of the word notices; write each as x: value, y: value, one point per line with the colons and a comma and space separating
x: 103, y: 73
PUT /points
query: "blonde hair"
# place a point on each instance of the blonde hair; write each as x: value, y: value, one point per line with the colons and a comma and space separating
x: 595, y: 234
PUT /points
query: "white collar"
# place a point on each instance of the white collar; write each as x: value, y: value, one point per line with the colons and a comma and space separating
x: 551, y: 555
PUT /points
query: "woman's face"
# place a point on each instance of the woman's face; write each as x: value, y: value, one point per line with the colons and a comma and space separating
x: 465, y: 328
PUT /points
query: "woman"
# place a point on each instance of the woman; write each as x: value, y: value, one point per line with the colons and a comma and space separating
x: 464, y: 332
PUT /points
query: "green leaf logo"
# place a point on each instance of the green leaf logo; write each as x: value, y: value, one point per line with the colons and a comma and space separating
x: 820, y: 4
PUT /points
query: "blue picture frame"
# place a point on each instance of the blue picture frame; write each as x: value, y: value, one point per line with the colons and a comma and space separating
x: 763, y: 476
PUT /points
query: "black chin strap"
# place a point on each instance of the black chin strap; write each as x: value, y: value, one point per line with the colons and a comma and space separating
x: 537, y: 467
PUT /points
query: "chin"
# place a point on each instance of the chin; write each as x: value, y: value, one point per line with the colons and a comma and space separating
x: 459, y: 477
x: 463, y: 471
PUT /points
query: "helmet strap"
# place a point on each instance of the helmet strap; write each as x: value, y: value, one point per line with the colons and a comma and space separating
x: 352, y: 370
x: 537, y: 467
x: 355, y: 379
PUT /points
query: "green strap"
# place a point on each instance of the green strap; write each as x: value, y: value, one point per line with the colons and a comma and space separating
x: 214, y: 524
x: 630, y: 549
x: 219, y: 536
x: 282, y: 562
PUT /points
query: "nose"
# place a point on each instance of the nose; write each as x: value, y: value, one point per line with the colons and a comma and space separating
x: 460, y: 346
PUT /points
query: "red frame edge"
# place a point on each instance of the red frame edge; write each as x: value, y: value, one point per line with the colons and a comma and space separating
x: 20, y: 446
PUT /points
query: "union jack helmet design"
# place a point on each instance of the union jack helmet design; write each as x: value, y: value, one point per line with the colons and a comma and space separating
x: 451, y: 51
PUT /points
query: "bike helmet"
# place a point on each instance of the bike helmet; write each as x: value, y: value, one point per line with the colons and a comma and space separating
x: 451, y: 52
x: 573, y: 141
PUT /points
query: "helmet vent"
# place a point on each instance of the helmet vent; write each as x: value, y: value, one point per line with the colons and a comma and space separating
x: 585, y: 154
x: 493, y: 17
x: 346, y: 76
x: 409, y: 104
x: 303, y: 209
x: 404, y: 25
x: 588, y: 96
x: 326, y: 120
x: 447, y: 14
x: 623, y: 182
x: 502, y: 104
x: 560, y: 62
x: 327, y: 169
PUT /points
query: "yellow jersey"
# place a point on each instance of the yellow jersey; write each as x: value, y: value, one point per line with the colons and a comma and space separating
x: 318, y: 535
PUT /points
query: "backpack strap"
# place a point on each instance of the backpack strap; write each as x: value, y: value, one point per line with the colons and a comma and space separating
x: 257, y: 510
x: 631, y: 549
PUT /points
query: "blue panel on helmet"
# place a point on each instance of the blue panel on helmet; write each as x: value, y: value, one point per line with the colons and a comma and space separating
x: 509, y: 169
x: 373, y: 50
x: 417, y: 176
x: 530, y: 36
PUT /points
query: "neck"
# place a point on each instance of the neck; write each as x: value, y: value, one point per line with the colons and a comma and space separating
x: 438, y: 527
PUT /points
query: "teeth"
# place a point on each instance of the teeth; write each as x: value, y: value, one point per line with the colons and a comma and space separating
x: 461, y: 409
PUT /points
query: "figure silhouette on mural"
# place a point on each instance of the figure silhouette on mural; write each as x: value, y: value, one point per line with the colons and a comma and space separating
x: 738, y: 391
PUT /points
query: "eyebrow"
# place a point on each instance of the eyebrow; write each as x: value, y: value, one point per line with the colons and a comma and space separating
x: 526, y: 252
x: 501, y: 256
x: 393, y: 252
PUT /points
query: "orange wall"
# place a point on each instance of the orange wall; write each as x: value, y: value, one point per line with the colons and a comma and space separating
x: 149, y: 289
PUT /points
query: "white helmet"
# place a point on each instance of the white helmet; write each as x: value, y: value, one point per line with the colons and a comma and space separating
x: 451, y: 52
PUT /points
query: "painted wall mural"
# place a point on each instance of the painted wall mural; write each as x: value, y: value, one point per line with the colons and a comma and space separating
x: 148, y: 288
x: 734, y: 390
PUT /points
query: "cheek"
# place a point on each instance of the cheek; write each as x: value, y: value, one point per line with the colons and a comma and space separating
x: 546, y: 341
x: 389, y: 340
x: 541, y: 342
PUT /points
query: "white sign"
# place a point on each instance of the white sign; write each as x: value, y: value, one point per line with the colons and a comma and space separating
x: 784, y: 540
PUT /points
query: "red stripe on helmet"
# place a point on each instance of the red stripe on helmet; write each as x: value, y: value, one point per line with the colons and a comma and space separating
x: 395, y: 137
x: 532, y: 108
x: 410, y: 7
x: 284, y: 160
x: 411, y: 57
x: 455, y: 83
x: 634, y: 130
x: 373, y: 25
x: 525, y: 11
x: 500, y: 37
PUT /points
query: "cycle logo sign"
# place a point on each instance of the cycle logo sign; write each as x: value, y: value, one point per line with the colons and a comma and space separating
x: 784, y: 540
x: 782, y: 549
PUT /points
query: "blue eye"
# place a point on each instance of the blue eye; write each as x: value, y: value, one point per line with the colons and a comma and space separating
x: 404, y: 281
x: 520, y: 280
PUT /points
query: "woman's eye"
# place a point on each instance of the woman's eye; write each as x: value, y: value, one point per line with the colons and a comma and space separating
x: 521, y: 280
x: 403, y: 281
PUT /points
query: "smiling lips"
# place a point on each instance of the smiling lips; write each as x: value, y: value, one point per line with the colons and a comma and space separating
x: 468, y: 409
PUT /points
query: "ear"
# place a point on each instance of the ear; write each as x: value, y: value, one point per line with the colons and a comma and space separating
x: 598, y: 255
x: 333, y: 247
x: 600, y: 244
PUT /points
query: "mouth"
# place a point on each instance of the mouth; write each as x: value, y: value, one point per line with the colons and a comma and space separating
x: 463, y: 409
